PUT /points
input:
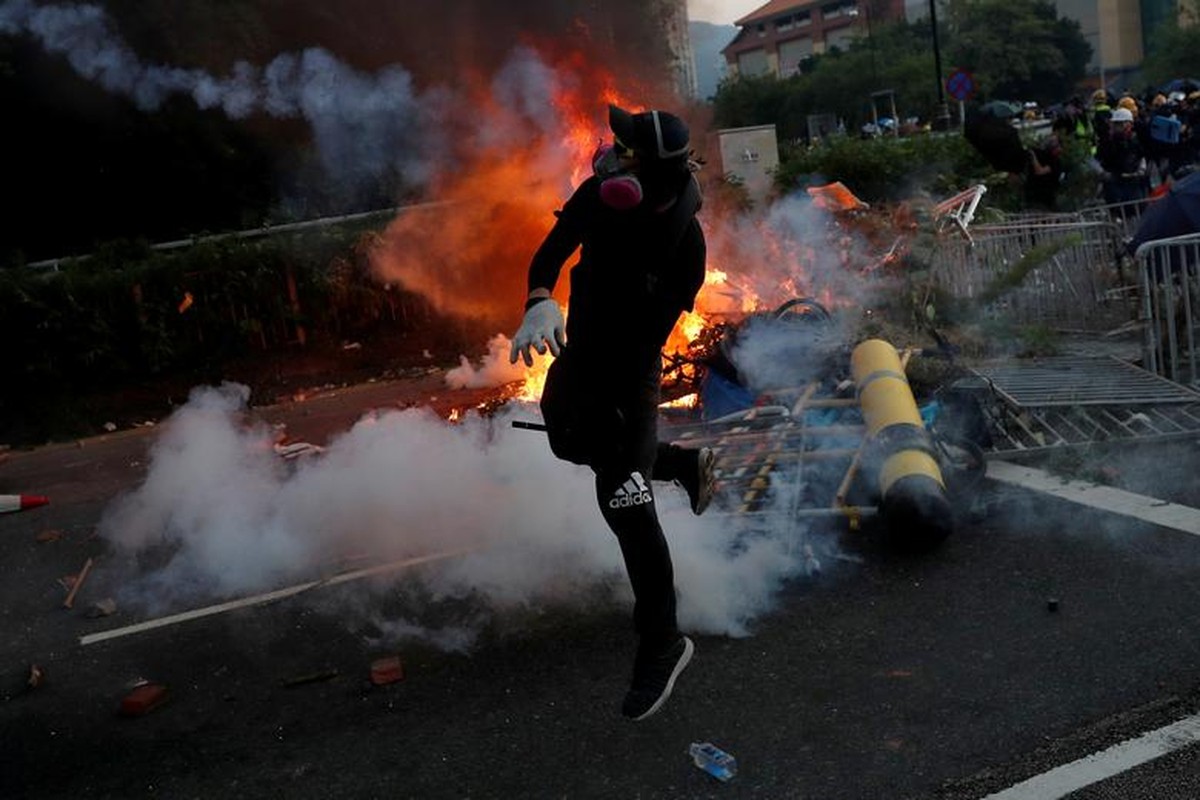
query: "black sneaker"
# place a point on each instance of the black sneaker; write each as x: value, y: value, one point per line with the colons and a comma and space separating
x: 654, y: 678
x: 702, y: 482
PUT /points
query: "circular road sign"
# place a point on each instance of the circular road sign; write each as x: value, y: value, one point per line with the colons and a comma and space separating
x: 960, y: 85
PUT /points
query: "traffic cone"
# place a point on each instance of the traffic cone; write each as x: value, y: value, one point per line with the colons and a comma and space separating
x: 21, y: 502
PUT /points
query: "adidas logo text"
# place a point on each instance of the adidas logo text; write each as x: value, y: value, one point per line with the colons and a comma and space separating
x: 633, y: 492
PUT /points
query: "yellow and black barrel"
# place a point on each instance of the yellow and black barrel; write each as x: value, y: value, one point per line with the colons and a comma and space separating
x: 914, y: 506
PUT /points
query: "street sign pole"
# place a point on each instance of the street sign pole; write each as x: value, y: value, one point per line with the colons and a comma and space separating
x: 961, y: 86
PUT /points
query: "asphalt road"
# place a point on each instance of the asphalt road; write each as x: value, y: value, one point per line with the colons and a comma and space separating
x: 945, y: 676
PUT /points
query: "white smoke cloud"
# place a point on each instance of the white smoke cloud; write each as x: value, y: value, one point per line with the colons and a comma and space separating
x: 523, y: 88
x: 221, y: 515
x: 364, y: 125
x: 793, y: 248
x: 494, y: 368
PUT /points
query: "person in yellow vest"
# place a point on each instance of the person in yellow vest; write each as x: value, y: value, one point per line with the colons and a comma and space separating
x: 1101, y: 110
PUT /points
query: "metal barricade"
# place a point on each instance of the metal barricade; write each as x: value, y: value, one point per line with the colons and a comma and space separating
x: 1060, y: 270
x: 1170, y: 287
x: 1125, y: 216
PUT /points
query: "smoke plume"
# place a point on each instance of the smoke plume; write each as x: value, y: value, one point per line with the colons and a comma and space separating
x: 364, y: 126
x: 219, y: 514
x: 494, y: 368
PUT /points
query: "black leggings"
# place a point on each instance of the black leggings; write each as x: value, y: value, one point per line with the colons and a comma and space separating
x: 611, y: 425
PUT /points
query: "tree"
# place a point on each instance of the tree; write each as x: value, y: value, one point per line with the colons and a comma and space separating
x: 1017, y: 49
x: 762, y: 100
x: 1174, y: 52
x: 896, y: 56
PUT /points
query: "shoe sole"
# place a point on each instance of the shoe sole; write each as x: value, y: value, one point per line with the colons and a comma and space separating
x: 707, y: 480
x: 688, y: 649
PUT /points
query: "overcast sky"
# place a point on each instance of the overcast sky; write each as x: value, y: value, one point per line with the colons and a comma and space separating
x: 722, y: 12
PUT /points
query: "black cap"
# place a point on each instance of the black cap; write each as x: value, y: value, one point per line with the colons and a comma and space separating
x: 651, y: 134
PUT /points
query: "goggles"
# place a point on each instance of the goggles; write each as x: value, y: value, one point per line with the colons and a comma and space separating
x: 621, y: 149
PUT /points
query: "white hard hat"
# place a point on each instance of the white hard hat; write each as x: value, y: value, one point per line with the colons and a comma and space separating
x: 1121, y: 115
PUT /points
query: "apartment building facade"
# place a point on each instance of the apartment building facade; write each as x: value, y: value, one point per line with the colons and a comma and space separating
x: 777, y: 38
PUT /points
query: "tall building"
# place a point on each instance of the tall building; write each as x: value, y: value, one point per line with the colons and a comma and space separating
x: 683, y: 59
x: 1114, y: 30
x: 1122, y: 32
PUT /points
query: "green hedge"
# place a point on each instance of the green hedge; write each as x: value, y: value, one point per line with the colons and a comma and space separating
x: 886, y: 169
x: 890, y: 169
x: 130, y: 316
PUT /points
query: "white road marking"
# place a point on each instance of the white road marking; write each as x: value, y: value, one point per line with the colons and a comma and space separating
x: 1061, y: 781
x: 268, y: 597
x: 1106, y: 498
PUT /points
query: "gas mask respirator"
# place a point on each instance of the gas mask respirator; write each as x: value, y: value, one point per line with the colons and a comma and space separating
x: 619, y: 187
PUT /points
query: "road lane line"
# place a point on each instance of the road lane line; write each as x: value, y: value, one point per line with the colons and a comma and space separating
x: 1061, y: 781
x: 268, y: 597
x: 1106, y: 498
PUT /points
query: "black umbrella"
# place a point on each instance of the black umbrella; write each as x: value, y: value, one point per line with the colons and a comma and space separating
x: 996, y: 140
x: 1176, y: 213
x: 1184, y: 85
x: 1001, y: 109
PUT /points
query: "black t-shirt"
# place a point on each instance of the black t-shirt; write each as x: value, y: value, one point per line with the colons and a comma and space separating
x: 1121, y: 155
x: 637, y: 271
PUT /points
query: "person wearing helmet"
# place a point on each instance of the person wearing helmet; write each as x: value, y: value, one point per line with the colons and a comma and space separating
x: 1126, y: 178
x: 641, y: 264
x: 1101, y: 111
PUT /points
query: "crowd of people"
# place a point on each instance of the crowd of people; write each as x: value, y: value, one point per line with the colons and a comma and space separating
x: 1136, y: 143
x: 1135, y: 146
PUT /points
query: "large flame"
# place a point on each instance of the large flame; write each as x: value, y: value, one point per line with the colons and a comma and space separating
x: 537, y: 128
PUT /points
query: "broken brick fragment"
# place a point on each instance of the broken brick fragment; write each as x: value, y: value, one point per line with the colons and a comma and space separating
x: 143, y: 699
x: 387, y: 670
x: 102, y: 608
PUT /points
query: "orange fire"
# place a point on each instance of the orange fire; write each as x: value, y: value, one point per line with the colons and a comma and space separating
x: 470, y: 254
x: 712, y: 303
x: 535, y: 379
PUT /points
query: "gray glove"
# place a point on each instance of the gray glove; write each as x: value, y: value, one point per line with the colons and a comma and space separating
x: 543, y: 326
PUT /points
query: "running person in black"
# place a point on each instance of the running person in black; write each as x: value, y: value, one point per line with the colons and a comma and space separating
x: 641, y: 264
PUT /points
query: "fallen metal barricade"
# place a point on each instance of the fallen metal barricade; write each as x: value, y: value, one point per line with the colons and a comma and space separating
x: 1034, y: 406
x: 959, y: 210
x: 1059, y: 270
x: 1170, y: 286
x: 800, y: 448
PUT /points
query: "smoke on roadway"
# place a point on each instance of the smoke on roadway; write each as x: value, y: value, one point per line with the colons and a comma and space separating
x: 221, y: 515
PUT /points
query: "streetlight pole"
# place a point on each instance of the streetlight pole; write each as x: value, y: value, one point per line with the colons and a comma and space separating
x: 871, y: 42
x: 941, y: 120
x: 866, y: 12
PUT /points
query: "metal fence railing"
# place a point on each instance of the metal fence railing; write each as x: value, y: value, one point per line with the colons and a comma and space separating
x: 1170, y: 287
x: 1125, y: 216
x: 1066, y: 271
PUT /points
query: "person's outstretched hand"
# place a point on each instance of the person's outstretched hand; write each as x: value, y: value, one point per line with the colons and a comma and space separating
x: 542, y: 327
